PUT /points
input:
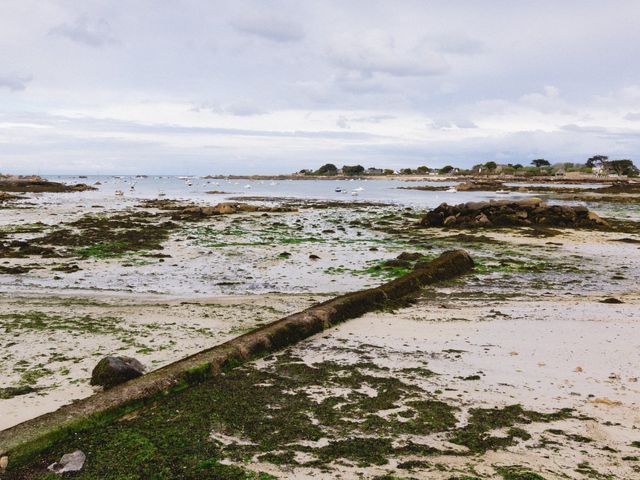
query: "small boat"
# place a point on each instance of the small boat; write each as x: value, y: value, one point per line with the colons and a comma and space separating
x: 359, y: 189
x: 451, y: 190
x: 162, y: 194
x: 247, y: 186
x: 119, y: 193
x: 502, y: 192
x: 338, y: 190
x: 354, y: 193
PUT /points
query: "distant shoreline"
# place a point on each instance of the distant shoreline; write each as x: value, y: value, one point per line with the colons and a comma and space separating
x: 428, y: 178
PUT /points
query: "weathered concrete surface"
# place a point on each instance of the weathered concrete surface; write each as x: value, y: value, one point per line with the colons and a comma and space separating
x: 41, y: 431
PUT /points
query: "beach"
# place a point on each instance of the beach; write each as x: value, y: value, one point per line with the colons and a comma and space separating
x: 530, y: 356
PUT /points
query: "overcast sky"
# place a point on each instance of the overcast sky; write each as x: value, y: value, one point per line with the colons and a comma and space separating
x: 201, y: 86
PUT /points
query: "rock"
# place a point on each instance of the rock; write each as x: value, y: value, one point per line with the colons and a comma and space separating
x: 284, y: 255
x: 480, y: 185
x: 482, y: 219
x: 611, y: 300
x: 70, y: 462
x: 450, y: 220
x: 226, y: 209
x: 530, y: 202
x: 410, y: 256
x: 4, y: 462
x: 594, y: 217
x: 395, y: 263
x: 421, y: 264
x: 474, y: 206
x: 314, y: 257
x: 112, y: 371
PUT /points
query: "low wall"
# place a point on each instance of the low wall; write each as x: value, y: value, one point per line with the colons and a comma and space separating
x: 42, y: 431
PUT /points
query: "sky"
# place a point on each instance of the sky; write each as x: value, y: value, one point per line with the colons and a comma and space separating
x: 240, y: 87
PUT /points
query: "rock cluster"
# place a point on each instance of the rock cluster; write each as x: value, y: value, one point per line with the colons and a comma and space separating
x: 479, y: 185
x: 227, y: 208
x: 509, y: 213
x: 37, y: 185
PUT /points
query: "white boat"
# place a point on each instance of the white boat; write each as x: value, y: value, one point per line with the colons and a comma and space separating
x: 247, y: 186
x: 451, y: 190
x: 502, y: 192
x: 119, y: 193
x: 354, y: 193
x: 359, y: 189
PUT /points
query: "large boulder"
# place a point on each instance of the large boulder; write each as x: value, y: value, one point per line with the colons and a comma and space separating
x: 112, y: 371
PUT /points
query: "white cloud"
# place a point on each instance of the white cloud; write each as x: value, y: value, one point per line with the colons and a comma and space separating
x: 379, y: 52
x: 241, y: 108
x: 14, y: 82
x: 269, y: 27
x: 458, y: 44
x: 94, y: 33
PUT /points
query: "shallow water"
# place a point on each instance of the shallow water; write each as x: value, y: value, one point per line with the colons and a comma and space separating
x: 385, y: 191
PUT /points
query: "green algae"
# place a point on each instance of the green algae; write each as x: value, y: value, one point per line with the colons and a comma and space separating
x: 517, y: 472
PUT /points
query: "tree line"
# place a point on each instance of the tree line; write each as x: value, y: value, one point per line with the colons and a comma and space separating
x: 539, y: 166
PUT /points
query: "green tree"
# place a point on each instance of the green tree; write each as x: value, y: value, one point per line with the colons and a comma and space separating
x: 596, y: 160
x: 446, y: 169
x: 422, y: 169
x: 622, y: 167
x: 327, y: 169
x: 540, y: 162
x: 352, y: 169
x: 491, y: 166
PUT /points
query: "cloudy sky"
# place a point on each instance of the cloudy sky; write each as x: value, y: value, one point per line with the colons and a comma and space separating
x: 202, y: 86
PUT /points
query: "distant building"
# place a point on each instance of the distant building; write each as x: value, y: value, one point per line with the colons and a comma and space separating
x: 374, y: 171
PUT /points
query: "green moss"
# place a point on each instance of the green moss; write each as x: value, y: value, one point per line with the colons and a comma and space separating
x: 105, y: 250
x: 517, y: 472
x: 273, y: 412
x: 476, y: 437
x: 10, y: 392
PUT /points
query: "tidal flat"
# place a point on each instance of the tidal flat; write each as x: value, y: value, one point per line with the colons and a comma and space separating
x: 524, y: 368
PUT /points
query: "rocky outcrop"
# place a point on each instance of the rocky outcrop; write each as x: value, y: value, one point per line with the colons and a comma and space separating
x: 509, y: 213
x: 196, y: 212
x: 112, y: 371
x: 480, y: 186
x: 39, y: 185
x: 5, y: 197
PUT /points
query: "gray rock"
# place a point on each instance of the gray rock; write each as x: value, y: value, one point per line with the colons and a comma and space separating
x: 112, y: 371
x: 70, y: 462
x: 410, y: 256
